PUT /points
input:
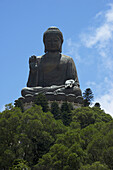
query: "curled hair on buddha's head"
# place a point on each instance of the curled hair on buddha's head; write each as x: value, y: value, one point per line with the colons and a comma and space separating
x: 57, y: 32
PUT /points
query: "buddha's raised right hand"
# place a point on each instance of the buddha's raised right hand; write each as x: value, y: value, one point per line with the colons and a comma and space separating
x: 33, y: 63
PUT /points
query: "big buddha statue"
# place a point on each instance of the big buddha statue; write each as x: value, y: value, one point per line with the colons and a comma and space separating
x: 53, y: 73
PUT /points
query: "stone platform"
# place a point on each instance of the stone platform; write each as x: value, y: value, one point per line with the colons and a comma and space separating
x: 59, y: 98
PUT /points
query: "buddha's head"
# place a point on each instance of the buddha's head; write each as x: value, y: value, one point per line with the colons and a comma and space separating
x: 53, y: 40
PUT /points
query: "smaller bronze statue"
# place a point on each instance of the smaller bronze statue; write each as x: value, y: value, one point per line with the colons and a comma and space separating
x: 53, y: 73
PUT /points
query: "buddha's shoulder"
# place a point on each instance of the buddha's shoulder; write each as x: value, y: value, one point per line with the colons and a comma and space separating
x: 63, y: 57
x: 39, y: 57
x: 67, y: 58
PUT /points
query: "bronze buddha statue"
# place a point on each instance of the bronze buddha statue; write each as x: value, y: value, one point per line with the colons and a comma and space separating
x: 52, y: 73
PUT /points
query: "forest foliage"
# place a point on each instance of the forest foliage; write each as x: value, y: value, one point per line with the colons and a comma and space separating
x: 43, y: 138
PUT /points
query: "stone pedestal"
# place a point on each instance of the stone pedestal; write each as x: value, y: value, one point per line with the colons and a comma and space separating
x: 60, y: 98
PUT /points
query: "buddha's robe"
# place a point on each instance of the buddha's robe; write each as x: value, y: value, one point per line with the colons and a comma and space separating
x: 50, y: 72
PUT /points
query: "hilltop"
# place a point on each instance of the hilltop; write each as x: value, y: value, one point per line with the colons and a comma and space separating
x: 56, y: 138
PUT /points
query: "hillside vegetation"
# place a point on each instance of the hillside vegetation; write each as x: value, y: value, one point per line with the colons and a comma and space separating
x: 57, y: 139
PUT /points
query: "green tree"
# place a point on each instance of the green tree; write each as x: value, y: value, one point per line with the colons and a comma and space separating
x: 100, y: 115
x: 19, y: 103
x: 108, y: 157
x: 55, y: 110
x: 66, y: 113
x: 96, y: 147
x: 20, y: 164
x: 66, y: 107
x: 8, y: 106
x: 69, y: 138
x: 61, y: 157
x: 9, y: 136
x: 88, y: 97
x: 97, y: 105
x: 36, y: 138
x: 66, y: 118
x: 85, y: 116
x: 42, y: 101
x: 55, y: 159
x: 27, y: 136
x: 87, y: 135
x: 95, y: 166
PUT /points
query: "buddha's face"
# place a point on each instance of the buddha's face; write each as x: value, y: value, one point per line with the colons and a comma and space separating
x: 53, y: 43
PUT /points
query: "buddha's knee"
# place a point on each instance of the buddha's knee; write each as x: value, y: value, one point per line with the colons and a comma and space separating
x: 26, y: 91
x: 77, y: 91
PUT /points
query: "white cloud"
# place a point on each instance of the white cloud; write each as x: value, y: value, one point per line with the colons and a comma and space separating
x: 100, y: 37
x: 101, y: 88
x: 106, y: 98
x: 2, y: 108
x: 72, y: 49
x: 97, y: 45
x: 109, y: 14
x: 106, y: 102
x: 98, y: 14
x: 90, y: 83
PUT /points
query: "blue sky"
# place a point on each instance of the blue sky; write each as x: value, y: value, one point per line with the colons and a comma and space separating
x: 87, y: 27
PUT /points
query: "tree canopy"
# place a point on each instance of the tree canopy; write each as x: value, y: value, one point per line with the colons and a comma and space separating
x: 60, y: 138
x: 88, y: 97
